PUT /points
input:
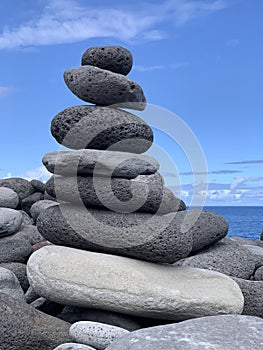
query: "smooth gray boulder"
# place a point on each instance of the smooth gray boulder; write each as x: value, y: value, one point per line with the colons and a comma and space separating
x: 40, y: 206
x: 116, y: 59
x: 104, y: 88
x: 139, y: 235
x: 73, y: 346
x: 21, y: 186
x: 226, y: 257
x: 74, y: 314
x: 101, y: 128
x: 23, y: 327
x: 107, y: 163
x: 76, y: 277
x: 19, y: 270
x: 224, y: 332
x: 145, y: 193
x: 10, y: 221
x: 253, y: 296
x: 158, y: 238
x: 98, y: 335
x: 8, y: 198
x: 31, y: 234
x: 10, y: 285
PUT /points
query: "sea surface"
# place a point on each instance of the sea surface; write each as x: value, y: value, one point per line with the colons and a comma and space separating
x: 246, y: 222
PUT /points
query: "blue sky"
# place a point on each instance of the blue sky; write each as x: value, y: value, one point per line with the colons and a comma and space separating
x: 201, y: 60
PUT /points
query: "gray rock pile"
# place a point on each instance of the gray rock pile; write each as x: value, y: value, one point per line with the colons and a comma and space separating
x: 104, y: 256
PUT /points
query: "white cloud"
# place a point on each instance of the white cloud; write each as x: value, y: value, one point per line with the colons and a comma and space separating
x: 5, y: 91
x: 238, y: 180
x: 65, y: 21
x: 39, y: 173
x: 141, y: 68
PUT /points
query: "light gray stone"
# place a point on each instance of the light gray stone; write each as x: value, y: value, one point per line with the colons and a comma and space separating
x: 10, y: 285
x: 101, y: 128
x: 19, y: 270
x: 253, y: 296
x: 40, y: 206
x: 10, y: 221
x: 76, y: 277
x: 24, y: 328
x: 116, y: 59
x: 98, y: 335
x: 225, y: 332
x: 106, y: 163
x: 73, y: 346
x: 226, y: 257
x: 8, y: 198
x: 21, y: 186
x: 104, y: 88
x: 139, y: 235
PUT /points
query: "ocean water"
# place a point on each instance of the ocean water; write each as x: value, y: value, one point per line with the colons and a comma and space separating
x: 246, y: 222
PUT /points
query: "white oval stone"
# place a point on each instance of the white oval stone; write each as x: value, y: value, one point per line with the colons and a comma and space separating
x: 73, y: 346
x: 96, y: 334
x: 86, y: 279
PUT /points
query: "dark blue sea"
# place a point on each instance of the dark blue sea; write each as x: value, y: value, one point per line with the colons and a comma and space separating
x: 246, y: 222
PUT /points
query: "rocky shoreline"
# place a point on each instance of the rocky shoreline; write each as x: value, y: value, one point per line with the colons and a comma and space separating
x: 103, y: 255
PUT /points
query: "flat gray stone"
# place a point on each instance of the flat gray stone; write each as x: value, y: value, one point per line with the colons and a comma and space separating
x: 101, y: 128
x: 8, y: 198
x: 40, y: 206
x: 139, y: 235
x: 19, y: 270
x: 106, y: 163
x: 27, y: 202
x: 73, y: 346
x: 104, y: 88
x: 10, y: 221
x: 224, y: 332
x: 74, y: 314
x: 76, y: 277
x: 253, y: 296
x: 98, y: 335
x: 23, y: 327
x: 10, y: 285
x: 21, y: 186
x: 144, y: 193
x: 39, y: 186
x: 116, y: 59
x: 226, y: 257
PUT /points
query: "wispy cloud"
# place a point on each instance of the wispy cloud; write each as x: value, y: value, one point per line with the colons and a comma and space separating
x: 141, y: 68
x: 66, y: 21
x: 244, y: 179
x: 233, y: 43
x: 215, y: 172
x: 258, y: 161
x: 5, y: 91
x: 39, y: 173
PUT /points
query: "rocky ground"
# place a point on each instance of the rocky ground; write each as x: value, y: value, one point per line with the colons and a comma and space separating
x: 104, y: 256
